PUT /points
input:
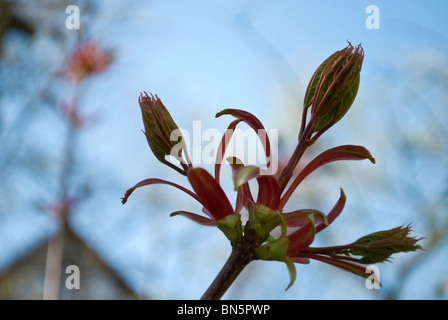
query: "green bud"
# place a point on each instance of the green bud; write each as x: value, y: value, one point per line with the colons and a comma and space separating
x: 162, y: 133
x: 276, y: 250
x: 263, y: 220
x: 230, y: 225
x: 333, y: 86
x: 379, y: 246
x: 273, y: 250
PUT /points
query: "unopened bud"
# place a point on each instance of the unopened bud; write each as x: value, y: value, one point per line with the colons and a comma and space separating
x: 160, y: 129
x: 333, y: 86
x: 379, y: 246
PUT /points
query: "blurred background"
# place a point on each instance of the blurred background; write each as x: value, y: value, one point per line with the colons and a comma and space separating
x: 71, y: 141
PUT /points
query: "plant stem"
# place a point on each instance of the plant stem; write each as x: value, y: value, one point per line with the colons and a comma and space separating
x: 243, y: 252
x: 303, y: 144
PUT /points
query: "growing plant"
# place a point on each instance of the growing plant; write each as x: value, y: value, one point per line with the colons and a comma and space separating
x: 330, y: 94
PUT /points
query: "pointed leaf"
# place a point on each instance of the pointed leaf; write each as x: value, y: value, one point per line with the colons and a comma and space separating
x: 276, y: 251
x: 345, y: 265
x: 302, y: 238
x: 147, y: 182
x: 268, y: 191
x: 210, y: 193
x: 223, y: 146
x: 244, y: 174
x: 300, y: 260
x: 195, y: 217
x: 300, y: 218
x: 334, y: 212
x: 256, y: 125
x: 244, y: 195
x: 292, y: 272
x: 268, y: 187
x: 345, y: 152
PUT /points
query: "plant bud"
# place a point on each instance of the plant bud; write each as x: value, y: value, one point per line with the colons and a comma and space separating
x: 379, y: 246
x: 162, y: 133
x: 333, y: 87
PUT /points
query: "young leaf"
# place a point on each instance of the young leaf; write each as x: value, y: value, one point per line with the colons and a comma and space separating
x: 345, y: 152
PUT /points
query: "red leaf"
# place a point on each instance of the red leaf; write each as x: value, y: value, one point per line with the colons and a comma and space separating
x: 223, y: 146
x: 302, y: 238
x: 256, y: 125
x: 345, y: 265
x: 244, y: 195
x: 195, y: 217
x: 346, y: 152
x: 300, y: 218
x: 268, y: 187
x: 210, y: 193
x: 147, y: 182
x: 268, y: 191
x: 300, y: 260
x: 334, y: 212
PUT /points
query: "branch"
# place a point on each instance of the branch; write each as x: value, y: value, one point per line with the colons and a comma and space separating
x: 243, y: 252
